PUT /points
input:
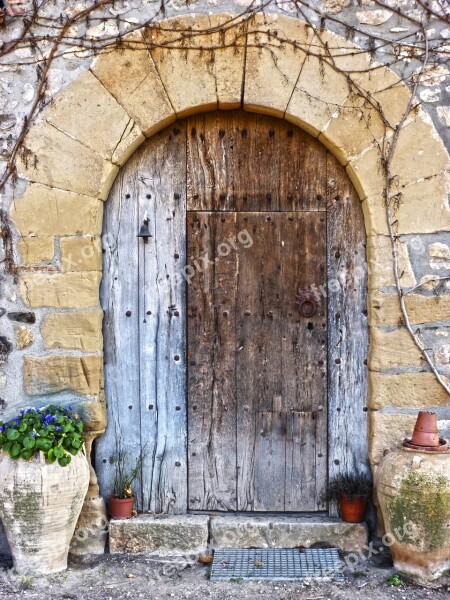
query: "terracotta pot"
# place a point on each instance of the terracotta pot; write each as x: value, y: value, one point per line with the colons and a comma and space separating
x: 353, y: 509
x: 425, y: 431
x: 39, y: 506
x: 413, y: 489
x: 120, y: 508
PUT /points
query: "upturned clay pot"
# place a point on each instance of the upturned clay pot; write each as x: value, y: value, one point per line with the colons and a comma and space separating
x: 425, y: 431
x: 413, y: 489
x: 39, y: 507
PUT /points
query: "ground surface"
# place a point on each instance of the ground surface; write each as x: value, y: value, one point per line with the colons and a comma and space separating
x: 123, y: 576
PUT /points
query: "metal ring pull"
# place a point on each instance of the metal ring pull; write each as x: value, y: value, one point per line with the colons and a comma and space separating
x: 307, y: 302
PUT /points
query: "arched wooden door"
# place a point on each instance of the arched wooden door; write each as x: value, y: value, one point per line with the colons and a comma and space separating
x: 236, y: 338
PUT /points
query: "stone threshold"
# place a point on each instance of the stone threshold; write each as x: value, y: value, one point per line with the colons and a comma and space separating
x: 193, y: 534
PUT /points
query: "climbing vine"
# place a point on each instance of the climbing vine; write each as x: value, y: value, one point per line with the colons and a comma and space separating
x: 37, y: 34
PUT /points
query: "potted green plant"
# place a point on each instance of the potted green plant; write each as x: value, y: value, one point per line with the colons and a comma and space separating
x: 122, y: 500
x: 44, y: 477
x: 352, y: 493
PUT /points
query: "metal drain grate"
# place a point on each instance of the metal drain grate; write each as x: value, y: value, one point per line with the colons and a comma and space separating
x: 276, y: 564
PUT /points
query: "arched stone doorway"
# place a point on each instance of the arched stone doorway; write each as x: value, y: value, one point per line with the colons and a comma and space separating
x: 263, y: 65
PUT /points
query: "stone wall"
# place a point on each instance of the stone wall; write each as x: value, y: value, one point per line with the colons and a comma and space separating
x: 99, y: 111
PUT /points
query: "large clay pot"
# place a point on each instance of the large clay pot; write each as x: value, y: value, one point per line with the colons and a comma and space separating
x: 413, y: 490
x: 39, y: 506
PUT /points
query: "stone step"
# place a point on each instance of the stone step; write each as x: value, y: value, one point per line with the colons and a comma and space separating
x: 177, y: 535
x: 242, y: 531
x: 164, y: 535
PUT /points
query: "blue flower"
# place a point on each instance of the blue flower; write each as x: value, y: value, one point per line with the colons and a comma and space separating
x: 6, y: 424
x: 29, y: 410
x: 70, y: 407
x: 22, y: 412
x: 1, y: 429
x: 34, y: 434
x: 58, y: 428
x: 16, y: 419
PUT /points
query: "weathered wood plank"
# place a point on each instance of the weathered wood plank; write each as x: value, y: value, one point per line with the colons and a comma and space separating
x: 119, y: 293
x: 211, y: 359
x: 270, y: 463
x: 347, y: 324
x: 259, y: 357
x: 303, y: 256
x: 249, y: 162
x: 145, y: 323
x: 304, y: 476
x: 304, y: 351
x: 161, y: 185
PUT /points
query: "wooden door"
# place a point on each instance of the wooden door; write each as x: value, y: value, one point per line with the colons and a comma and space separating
x: 257, y: 417
x: 209, y: 365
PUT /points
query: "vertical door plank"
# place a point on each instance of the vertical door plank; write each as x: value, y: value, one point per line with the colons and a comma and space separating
x: 302, y: 440
x: 347, y: 322
x: 303, y: 248
x: 249, y: 162
x: 303, y: 259
x: 211, y: 359
x: 119, y: 293
x: 145, y: 324
x: 302, y: 164
x: 162, y: 191
x: 258, y: 352
x: 270, y: 462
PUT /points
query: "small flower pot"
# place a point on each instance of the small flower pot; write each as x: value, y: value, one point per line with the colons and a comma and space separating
x: 352, y: 509
x: 120, y: 508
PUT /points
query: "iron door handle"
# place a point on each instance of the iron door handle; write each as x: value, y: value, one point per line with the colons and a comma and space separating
x: 306, y: 302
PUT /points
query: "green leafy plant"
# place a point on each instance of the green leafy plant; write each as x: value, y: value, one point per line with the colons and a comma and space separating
x: 125, y: 476
x: 354, y: 486
x: 53, y: 430
x: 395, y: 580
